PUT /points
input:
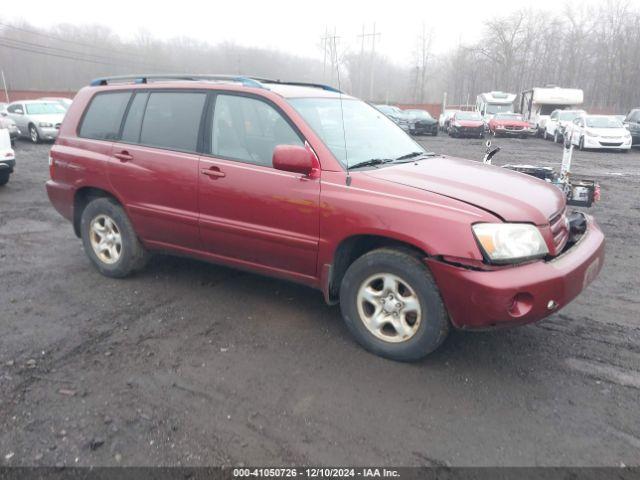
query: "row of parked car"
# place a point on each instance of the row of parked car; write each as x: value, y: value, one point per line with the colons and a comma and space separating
x: 583, y: 130
x: 34, y: 119
x: 37, y: 120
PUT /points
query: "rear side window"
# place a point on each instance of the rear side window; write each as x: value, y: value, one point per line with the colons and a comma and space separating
x: 104, y: 115
x: 172, y: 120
x: 131, y: 130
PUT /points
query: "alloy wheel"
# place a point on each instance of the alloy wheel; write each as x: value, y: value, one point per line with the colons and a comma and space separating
x: 106, y: 239
x: 389, y: 307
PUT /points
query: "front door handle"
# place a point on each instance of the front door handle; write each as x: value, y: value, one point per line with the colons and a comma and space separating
x: 123, y: 156
x: 213, y: 172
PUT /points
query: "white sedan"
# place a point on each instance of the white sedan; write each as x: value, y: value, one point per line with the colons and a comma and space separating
x: 558, y: 122
x: 599, y: 131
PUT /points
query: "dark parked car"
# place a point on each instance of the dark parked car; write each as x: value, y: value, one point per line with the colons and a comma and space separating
x: 254, y: 175
x: 632, y: 122
x: 466, y: 124
x: 422, y: 123
x: 396, y: 114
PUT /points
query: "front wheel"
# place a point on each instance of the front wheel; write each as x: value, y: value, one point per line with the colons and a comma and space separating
x: 4, y: 178
x: 392, y: 305
x: 581, y: 144
x: 33, y: 134
x: 556, y: 137
x: 109, y: 239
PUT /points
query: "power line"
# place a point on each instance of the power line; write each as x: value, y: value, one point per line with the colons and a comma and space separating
x: 60, y: 39
x: 49, y: 54
x: 78, y: 55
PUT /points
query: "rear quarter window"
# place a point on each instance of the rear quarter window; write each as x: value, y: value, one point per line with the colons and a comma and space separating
x: 103, y: 116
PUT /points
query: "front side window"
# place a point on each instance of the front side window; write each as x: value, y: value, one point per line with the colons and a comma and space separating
x: 248, y: 130
x: 353, y: 130
x: 104, y: 115
x: 172, y: 120
x: 15, y: 109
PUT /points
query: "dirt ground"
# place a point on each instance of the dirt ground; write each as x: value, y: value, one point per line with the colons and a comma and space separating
x: 192, y: 364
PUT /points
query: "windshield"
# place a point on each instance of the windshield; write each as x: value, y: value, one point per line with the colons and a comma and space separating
x: 468, y: 116
x: 509, y: 116
x: 493, y: 108
x: 568, y: 116
x: 419, y: 114
x: 44, y: 108
x: 367, y: 133
x: 604, y: 122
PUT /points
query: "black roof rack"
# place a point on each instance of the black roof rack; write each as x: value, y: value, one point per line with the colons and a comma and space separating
x: 328, y: 88
x: 254, y: 82
x: 144, y: 78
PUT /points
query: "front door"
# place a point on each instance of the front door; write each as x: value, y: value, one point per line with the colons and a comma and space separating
x: 250, y: 212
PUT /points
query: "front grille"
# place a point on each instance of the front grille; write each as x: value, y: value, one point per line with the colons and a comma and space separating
x: 58, y: 126
x: 560, y: 231
x: 610, y: 144
x: 514, y: 128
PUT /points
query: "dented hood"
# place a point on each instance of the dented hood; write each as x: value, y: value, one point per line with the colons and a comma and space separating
x: 512, y: 196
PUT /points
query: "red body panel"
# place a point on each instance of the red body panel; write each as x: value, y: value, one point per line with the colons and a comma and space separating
x: 290, y: 225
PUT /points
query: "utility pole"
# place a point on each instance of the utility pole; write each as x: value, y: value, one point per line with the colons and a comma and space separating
x: 373, y: 53
x: 330, y: 50
x: 324, y: 48
x: 361, y: 72
x: 4, y: 82
x: 363, y: 36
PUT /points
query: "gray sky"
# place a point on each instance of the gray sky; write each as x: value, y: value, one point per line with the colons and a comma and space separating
x: 292, y: 26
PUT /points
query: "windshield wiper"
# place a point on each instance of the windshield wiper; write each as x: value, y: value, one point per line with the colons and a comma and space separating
x: 371, y: 162
x: 415, y: 154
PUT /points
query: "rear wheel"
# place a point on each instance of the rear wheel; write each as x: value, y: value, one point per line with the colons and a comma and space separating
x: 4, y: 178
x: 109, y: 239
x: 392, y: 305
x: 33, y: 134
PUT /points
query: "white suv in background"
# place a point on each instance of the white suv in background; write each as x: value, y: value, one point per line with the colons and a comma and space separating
x: 599, y: 132
x: 558, y: 121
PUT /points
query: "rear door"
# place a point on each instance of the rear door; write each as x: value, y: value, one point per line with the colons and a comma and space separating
x: 154, y: 165
x: 249, y: 211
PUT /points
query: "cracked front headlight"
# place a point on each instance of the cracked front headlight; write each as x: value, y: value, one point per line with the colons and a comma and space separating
x: 510, y: 242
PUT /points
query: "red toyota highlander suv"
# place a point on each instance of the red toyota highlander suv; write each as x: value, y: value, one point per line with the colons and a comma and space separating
x: 302, y: 182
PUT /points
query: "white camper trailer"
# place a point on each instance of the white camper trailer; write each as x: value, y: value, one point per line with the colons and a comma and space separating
x: 537, y: 104
x: 490, y: 103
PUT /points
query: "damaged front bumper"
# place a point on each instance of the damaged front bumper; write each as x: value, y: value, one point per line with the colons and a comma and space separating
x: 519, y: 294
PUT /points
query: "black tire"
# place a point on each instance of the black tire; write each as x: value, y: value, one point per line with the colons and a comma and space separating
x: 132, y: 256
x: 435, y: 133
x: 556, y: 137
x: 581, y: 144
x: 4, y: 178
x: 432, y: 329
x: 34, y: 136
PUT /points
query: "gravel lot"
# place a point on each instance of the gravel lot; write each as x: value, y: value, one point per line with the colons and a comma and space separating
x: 192, y: 364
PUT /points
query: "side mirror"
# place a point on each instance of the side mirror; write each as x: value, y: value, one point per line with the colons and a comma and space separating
x: 4, y: 114
x: 293, y: 158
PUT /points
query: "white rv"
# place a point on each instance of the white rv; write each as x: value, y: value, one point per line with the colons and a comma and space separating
x: 490, y: 103
x: 537, y: 104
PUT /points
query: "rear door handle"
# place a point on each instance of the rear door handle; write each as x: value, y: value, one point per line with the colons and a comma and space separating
x: 123, y: 156
x: 213, y: 172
